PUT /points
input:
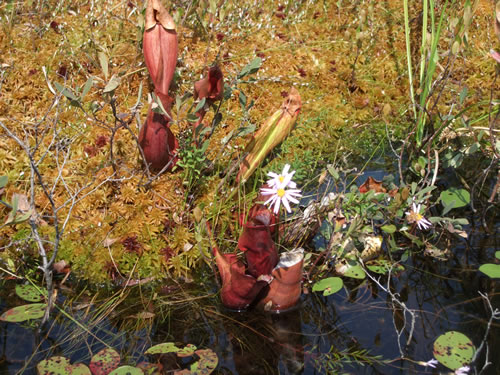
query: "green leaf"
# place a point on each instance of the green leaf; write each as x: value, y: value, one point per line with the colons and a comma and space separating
x: 127, y: 370
x: 65, y: 91
x: 463, y: 95
x: 104, y: 361
x: 187, y: 351
x: 3, y: 181
x: 200, y: 104
x: 491, y: 270
x: 30, y: 293
x: 251, y: 67
x: 454, y: 198
x: 382, y: 266
x: 103, y: 60
x: 113, y: 83
x: 87, y: 87
x: 454, y: 350
x: 391, y: 228
x: 207, y: 363
x: 355, y: 271
x: 243, y: 100
x: 24, y: 312
x: 61, y: 366
x: 330, y: 285
x: 497, y: 254
x: 163, y: 348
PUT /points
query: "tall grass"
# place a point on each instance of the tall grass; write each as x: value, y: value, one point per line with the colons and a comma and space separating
x: 428, y: 60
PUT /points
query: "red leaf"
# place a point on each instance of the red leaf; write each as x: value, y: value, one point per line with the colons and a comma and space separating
x: 372, y: 184
x: 257, y: 243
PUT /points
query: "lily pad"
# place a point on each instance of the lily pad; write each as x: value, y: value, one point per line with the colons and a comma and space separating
x: 454, y: 350
x: 382, y: 266
x: 204, y: 366
x: 351, y: 269
x: 61, y: 366
x: 163, y: 348
x: 328, y: 286
x: 490, y: 269
x: 187, y: 351
x: 30, y: 293
x: 24, y: 312
x: 127, y: 370
x: 497, y: 254
x: 104, y: 361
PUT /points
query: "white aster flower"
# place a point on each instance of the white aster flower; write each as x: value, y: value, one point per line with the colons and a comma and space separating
x: 284, y: 179
x: 432, y: 363
x: 414, y: 216
x: 281, y: 195
x: 462, y: 370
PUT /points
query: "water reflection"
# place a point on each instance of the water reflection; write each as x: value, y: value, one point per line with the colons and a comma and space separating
x: 339, y: 333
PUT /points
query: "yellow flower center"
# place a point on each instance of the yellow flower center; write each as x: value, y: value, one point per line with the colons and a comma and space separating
x: 281, y: 178
x: 414, y: 217
x: 281, y: 193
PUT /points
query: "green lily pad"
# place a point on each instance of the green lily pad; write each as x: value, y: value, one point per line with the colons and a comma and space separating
x: 490, y: 269
x: 30, y: 293
x: 328, y: 286
x: 61, y: 366
x: 24, y: 312
x: 455, y: 198
x: 207, y: 363
x: 355, y: 271
x: 187, y: 351
x: 497, y: 254
x: 104, y: 361
x: 382, y: 266
x: 163, y: 348
x: 127, y: 370
x: 454, y: 350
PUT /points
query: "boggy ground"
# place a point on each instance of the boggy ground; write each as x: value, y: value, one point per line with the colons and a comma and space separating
x: 347, y: 59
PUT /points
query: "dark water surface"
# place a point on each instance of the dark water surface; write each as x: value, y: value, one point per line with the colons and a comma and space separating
x: 352, y: 331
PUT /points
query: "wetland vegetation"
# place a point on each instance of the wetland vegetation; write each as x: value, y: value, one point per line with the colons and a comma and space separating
x: 157, y: 158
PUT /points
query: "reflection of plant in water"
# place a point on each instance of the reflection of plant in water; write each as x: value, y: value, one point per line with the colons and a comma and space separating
x: 334, y: 361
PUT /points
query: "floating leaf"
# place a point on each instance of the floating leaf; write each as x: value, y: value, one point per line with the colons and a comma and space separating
x: 207, y: 363
x: 453, y: 349
x: 382, y: 266
x: 163, y: 348
x: 497, y: 254
x: 329, y: 286
x: 30, y: 293
x: 351, y: 269
x: 455, y: 198
x: 127, y: 370
x: 490, y: 269
x: 61, y: 366
x: 24, y: 312
x: 187, y: 351
x: 104, y: 361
